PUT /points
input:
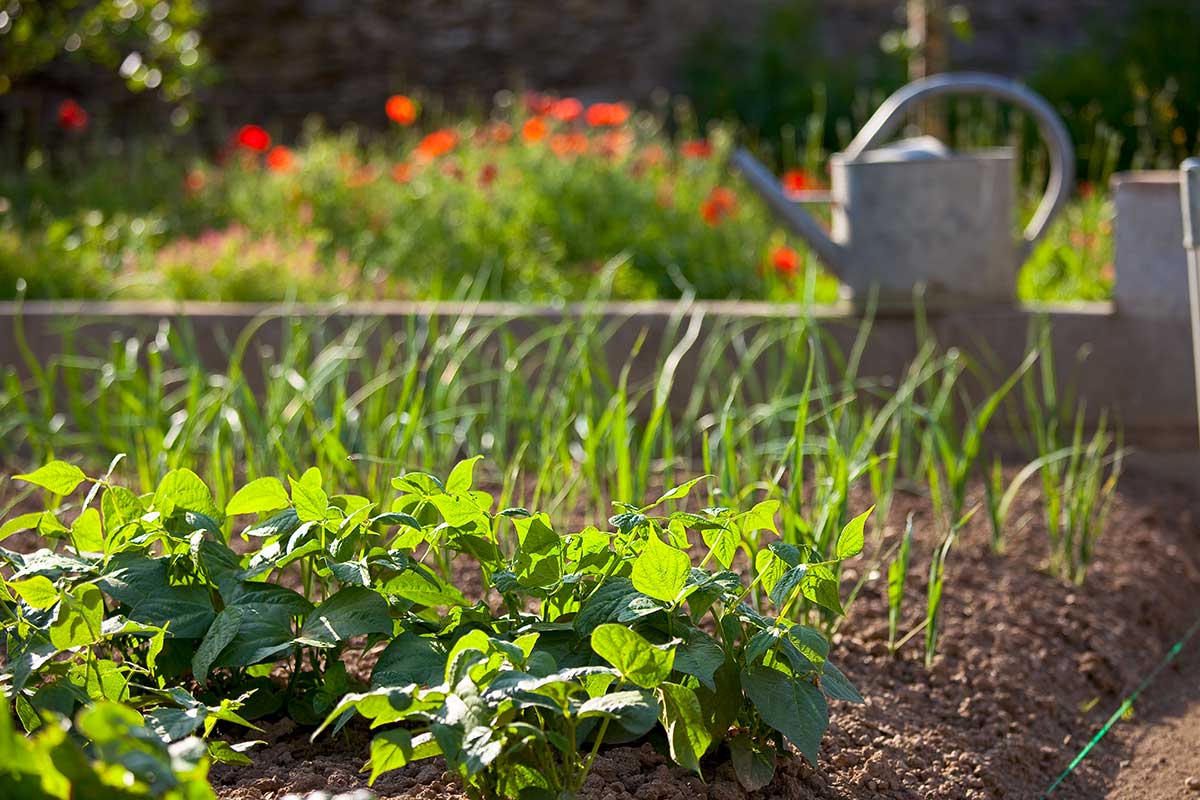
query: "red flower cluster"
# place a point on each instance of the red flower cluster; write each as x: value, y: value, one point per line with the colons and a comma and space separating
x: 534, y: 129
x: 437, y: 144
x: 696, y: 148
x: 785, y: 260
x: 796, y: 181
x: 719, y: 205
x: 401, y: 109
x: 568, y: 109
x: 72, y: 116
x: 252, y: 137
x: 280, y: 159
x: 607, y: 115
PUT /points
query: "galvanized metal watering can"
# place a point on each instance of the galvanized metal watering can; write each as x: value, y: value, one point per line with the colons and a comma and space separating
x: 916, y: 214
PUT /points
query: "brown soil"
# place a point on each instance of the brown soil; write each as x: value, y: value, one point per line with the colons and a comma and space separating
x: 1028, y: 669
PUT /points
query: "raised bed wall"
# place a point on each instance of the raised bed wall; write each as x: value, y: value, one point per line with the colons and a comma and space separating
x: 1137, y: 369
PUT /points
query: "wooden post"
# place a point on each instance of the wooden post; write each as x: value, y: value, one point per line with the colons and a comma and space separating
x: 930, y: 55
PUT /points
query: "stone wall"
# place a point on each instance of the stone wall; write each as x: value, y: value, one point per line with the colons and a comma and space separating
x: 285, y: 58
x: 281, y: 60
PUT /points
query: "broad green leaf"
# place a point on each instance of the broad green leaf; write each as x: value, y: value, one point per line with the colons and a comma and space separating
x: 86, y: 532
x: 57, y: 477
x: 173, y: 724
x: 635, y: 710
x: 785, y: 588
x: 22, y: 522
x: 677, y: 492
x: 723, y: 542
x: 259, y: 496
x: 410, y: 659
x: 850, y: 542
x: 661, y: 571
x: 265, y: 631
x: 761, y: 517
x: 794, y: 707
x: 220, y: 634
x: 638, y: 661
x: 353, y: 611
x: 838, y: 686
x: 700, y: 656
x: 605, y: 604
x: 80, y: 618
x: 119, y: 507
x: 462, y: 477
x: 423, y: 590
x: 687, y: 735
x: 390, y: 750
x: 754, y: 766
x: 37, y: 591
x: 308, y: 497
x: 182, y: 490
x: 225, y: 753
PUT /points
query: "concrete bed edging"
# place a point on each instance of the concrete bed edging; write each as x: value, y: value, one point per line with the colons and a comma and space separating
x: 1138, y: 368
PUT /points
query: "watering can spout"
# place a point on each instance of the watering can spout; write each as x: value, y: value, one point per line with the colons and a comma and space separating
x: 803, y: 224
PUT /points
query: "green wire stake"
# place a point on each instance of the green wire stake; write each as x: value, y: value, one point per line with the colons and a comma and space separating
x: 1124, y: 707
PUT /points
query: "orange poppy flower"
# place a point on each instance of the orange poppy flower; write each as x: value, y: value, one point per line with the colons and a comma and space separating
x: 696, y: 148
x: 402, y: 172
x: 785, y: 260
x: 280, y: 159
x: 401, y: 109
x: 607, y: 115
x: 567, y: 109
x: 252, y: 137
x: 569, y: 144
x: 437, y: 144
x: 534, y: 129
x: 616, y: 144
x: 719, y: 205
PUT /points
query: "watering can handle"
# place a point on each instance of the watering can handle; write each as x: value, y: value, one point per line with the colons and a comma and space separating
x: 1062, y: 154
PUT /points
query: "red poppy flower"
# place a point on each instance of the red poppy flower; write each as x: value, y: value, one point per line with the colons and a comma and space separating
x: 487, y: 175
x: 602, y: 115
x: 797, y: 180
x: 697, y: 148
x: 402, y: 172
x: 566, y: 110
x: 720, y: 204
x: 538, y: 104
x: 785, y: 260
x: 72, y: 116
x: 437, y: 144
x: 252, y: 137
x: 401, y: 109
x: 616, y: 144
x: 534, y: 129
x: 280, y: 159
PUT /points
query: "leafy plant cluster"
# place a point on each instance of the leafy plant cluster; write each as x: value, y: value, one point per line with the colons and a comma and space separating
x: 162, y: 615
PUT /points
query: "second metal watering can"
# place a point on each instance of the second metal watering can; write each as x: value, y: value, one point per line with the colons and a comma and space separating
x: 916, y: 214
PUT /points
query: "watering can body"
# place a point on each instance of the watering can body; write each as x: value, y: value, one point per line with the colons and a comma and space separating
x: 916, y: 215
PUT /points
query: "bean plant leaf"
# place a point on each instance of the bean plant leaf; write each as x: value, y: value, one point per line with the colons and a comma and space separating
x: 605, y: 604
x: 410, y: 658
x: 792, y: 706
x: 635, y: 710
x: 677, y: 492
x: 354, y: 611
x: 308, y: 497
x: 850, y: 541
x: 80, y: 618
x: 700, y: 656
x: 638, y: 661
x: 753, y: 765
x: 21, y: 522
x: 57, y: 477
x: 258, y: 496
x: 687, y: 735
x: 87, y: 533
x: 838, y: 686
x: 761, y: 517
x: 661, y: 571
x: 182, y: 490
x: 37, y: 592
x: 223, y: 630
x: 462, y: 477
x: 390, y: 750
